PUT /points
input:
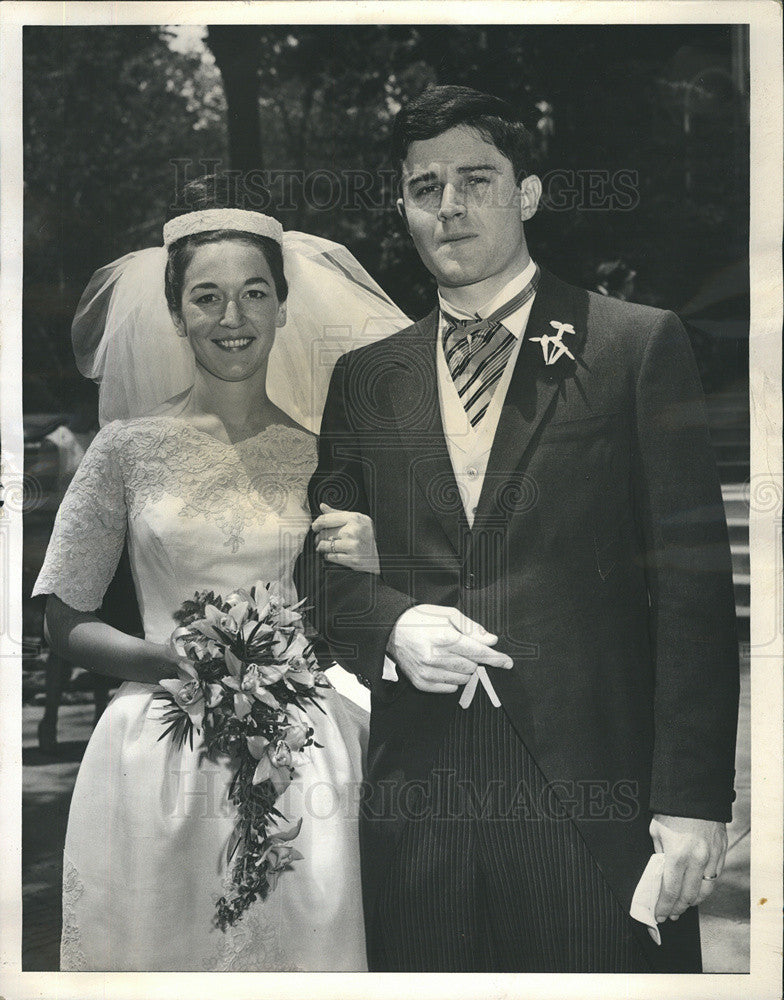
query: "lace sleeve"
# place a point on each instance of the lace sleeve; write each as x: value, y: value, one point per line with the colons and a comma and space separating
x: 89, y: 530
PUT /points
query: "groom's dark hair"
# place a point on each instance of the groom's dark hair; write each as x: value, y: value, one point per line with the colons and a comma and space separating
x: 438, y: 109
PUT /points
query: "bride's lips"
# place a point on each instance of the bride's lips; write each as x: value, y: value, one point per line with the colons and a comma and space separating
x: 231, y: 344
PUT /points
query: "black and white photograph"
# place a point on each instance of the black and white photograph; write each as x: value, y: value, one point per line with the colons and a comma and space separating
x: 391, y: 525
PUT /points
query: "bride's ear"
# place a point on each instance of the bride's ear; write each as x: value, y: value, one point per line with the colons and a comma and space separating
x: 280, y: 319
x: 177, y: 320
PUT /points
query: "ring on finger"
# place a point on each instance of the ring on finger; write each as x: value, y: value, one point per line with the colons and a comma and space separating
x: 709, y: 878
x: 332, y: 545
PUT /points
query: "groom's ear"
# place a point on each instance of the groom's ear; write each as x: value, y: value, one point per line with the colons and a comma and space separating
x: 530, y: 193
x: 401, y: 210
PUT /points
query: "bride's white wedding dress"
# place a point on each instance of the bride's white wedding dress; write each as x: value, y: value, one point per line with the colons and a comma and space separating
x: 145, y: 848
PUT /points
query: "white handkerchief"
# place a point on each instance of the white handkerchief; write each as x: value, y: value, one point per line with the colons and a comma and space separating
x: 646, y: 895
x: 389, y: 670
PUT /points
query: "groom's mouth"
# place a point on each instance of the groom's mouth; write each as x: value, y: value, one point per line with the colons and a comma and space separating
x: 234, y: 343
x: 458, y: 238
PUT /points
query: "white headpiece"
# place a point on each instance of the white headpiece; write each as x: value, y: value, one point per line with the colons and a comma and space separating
x: 125, y: 339
x: 211, y: 219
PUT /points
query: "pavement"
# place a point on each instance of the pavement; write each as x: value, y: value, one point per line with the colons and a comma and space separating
x: 48, y: 783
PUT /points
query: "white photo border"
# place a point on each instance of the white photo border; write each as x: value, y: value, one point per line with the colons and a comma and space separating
x: 766, y: 493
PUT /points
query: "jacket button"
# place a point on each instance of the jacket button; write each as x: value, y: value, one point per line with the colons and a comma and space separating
x: 470, y: 581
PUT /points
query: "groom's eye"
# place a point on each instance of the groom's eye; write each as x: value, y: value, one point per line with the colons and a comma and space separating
x: 256, y: 293
x: 426, y: 189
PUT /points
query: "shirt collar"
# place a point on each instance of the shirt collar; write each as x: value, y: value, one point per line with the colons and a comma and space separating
x: 515, y: 322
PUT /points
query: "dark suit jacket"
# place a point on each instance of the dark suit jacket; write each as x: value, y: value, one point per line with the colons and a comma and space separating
x: 599, y: 555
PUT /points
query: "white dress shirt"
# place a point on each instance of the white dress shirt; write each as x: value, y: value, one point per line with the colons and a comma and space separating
x: 469, y: 447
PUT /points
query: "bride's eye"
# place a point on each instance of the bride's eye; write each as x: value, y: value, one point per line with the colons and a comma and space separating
x: 256, y: 293
x: 205, y: 299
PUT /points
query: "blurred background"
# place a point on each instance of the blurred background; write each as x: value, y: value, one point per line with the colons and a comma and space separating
x: 642, y: 142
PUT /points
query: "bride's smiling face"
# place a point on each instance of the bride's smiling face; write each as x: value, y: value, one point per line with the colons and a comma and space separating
x: 229, y: 309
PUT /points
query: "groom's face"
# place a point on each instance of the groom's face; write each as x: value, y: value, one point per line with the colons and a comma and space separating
x: 463, y: 209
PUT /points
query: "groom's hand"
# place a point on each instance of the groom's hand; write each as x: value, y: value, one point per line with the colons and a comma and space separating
x: 438, y: 648
x: 693, y: 849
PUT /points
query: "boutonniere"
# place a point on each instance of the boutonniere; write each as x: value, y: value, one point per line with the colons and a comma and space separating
x: 553, y: 347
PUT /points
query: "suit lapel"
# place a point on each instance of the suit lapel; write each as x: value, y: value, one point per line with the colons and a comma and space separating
x: 414, y: 398
x: 531, y: 392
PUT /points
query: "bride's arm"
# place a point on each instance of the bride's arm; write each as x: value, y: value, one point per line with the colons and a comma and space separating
x: 81, y: 559
x: 83, y: 638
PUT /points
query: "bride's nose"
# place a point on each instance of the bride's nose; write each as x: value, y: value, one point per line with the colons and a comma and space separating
x: 232, y: 317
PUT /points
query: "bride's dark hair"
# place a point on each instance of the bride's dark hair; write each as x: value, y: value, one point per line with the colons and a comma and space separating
x: 216, y: 191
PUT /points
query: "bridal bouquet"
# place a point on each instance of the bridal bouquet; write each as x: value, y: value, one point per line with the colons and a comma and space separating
x: 246, y: 673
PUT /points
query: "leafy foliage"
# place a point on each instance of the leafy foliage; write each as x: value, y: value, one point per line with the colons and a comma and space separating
x: 108, y: 108
x: 106, y: 111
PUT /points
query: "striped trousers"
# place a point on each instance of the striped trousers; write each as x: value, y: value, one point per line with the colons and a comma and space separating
x: 487, y: 877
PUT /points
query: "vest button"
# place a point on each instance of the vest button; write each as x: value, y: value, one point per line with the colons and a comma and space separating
x: 469, y: 581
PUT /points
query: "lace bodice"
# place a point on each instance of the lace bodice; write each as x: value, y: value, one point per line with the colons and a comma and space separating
x: 199, y: 513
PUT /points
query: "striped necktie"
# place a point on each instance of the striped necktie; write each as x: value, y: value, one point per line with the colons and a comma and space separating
x: 477, y: 352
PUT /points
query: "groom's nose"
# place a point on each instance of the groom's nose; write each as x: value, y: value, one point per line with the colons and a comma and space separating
x: 231, y: 316
x: 452, y: 204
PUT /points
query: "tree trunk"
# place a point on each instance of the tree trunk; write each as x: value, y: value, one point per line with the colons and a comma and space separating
x: 237, y: 52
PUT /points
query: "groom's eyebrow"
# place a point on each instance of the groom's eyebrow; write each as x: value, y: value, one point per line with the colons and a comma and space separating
x: 478, y: 166
x: 431, y: 175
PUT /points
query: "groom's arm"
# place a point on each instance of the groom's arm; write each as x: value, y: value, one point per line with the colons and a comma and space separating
x: 680, y: 515
x: 354, y: 611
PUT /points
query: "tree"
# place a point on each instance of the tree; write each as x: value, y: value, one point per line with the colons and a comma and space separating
x: 106, y: 112
x: 237, y: 53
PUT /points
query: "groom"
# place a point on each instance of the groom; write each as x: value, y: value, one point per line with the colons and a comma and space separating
x: 550, y: 644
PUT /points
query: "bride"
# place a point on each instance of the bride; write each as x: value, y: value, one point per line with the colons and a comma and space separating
x: 207, y: 477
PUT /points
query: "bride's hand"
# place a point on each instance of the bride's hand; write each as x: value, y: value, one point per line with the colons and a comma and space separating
x: 347, y: 538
